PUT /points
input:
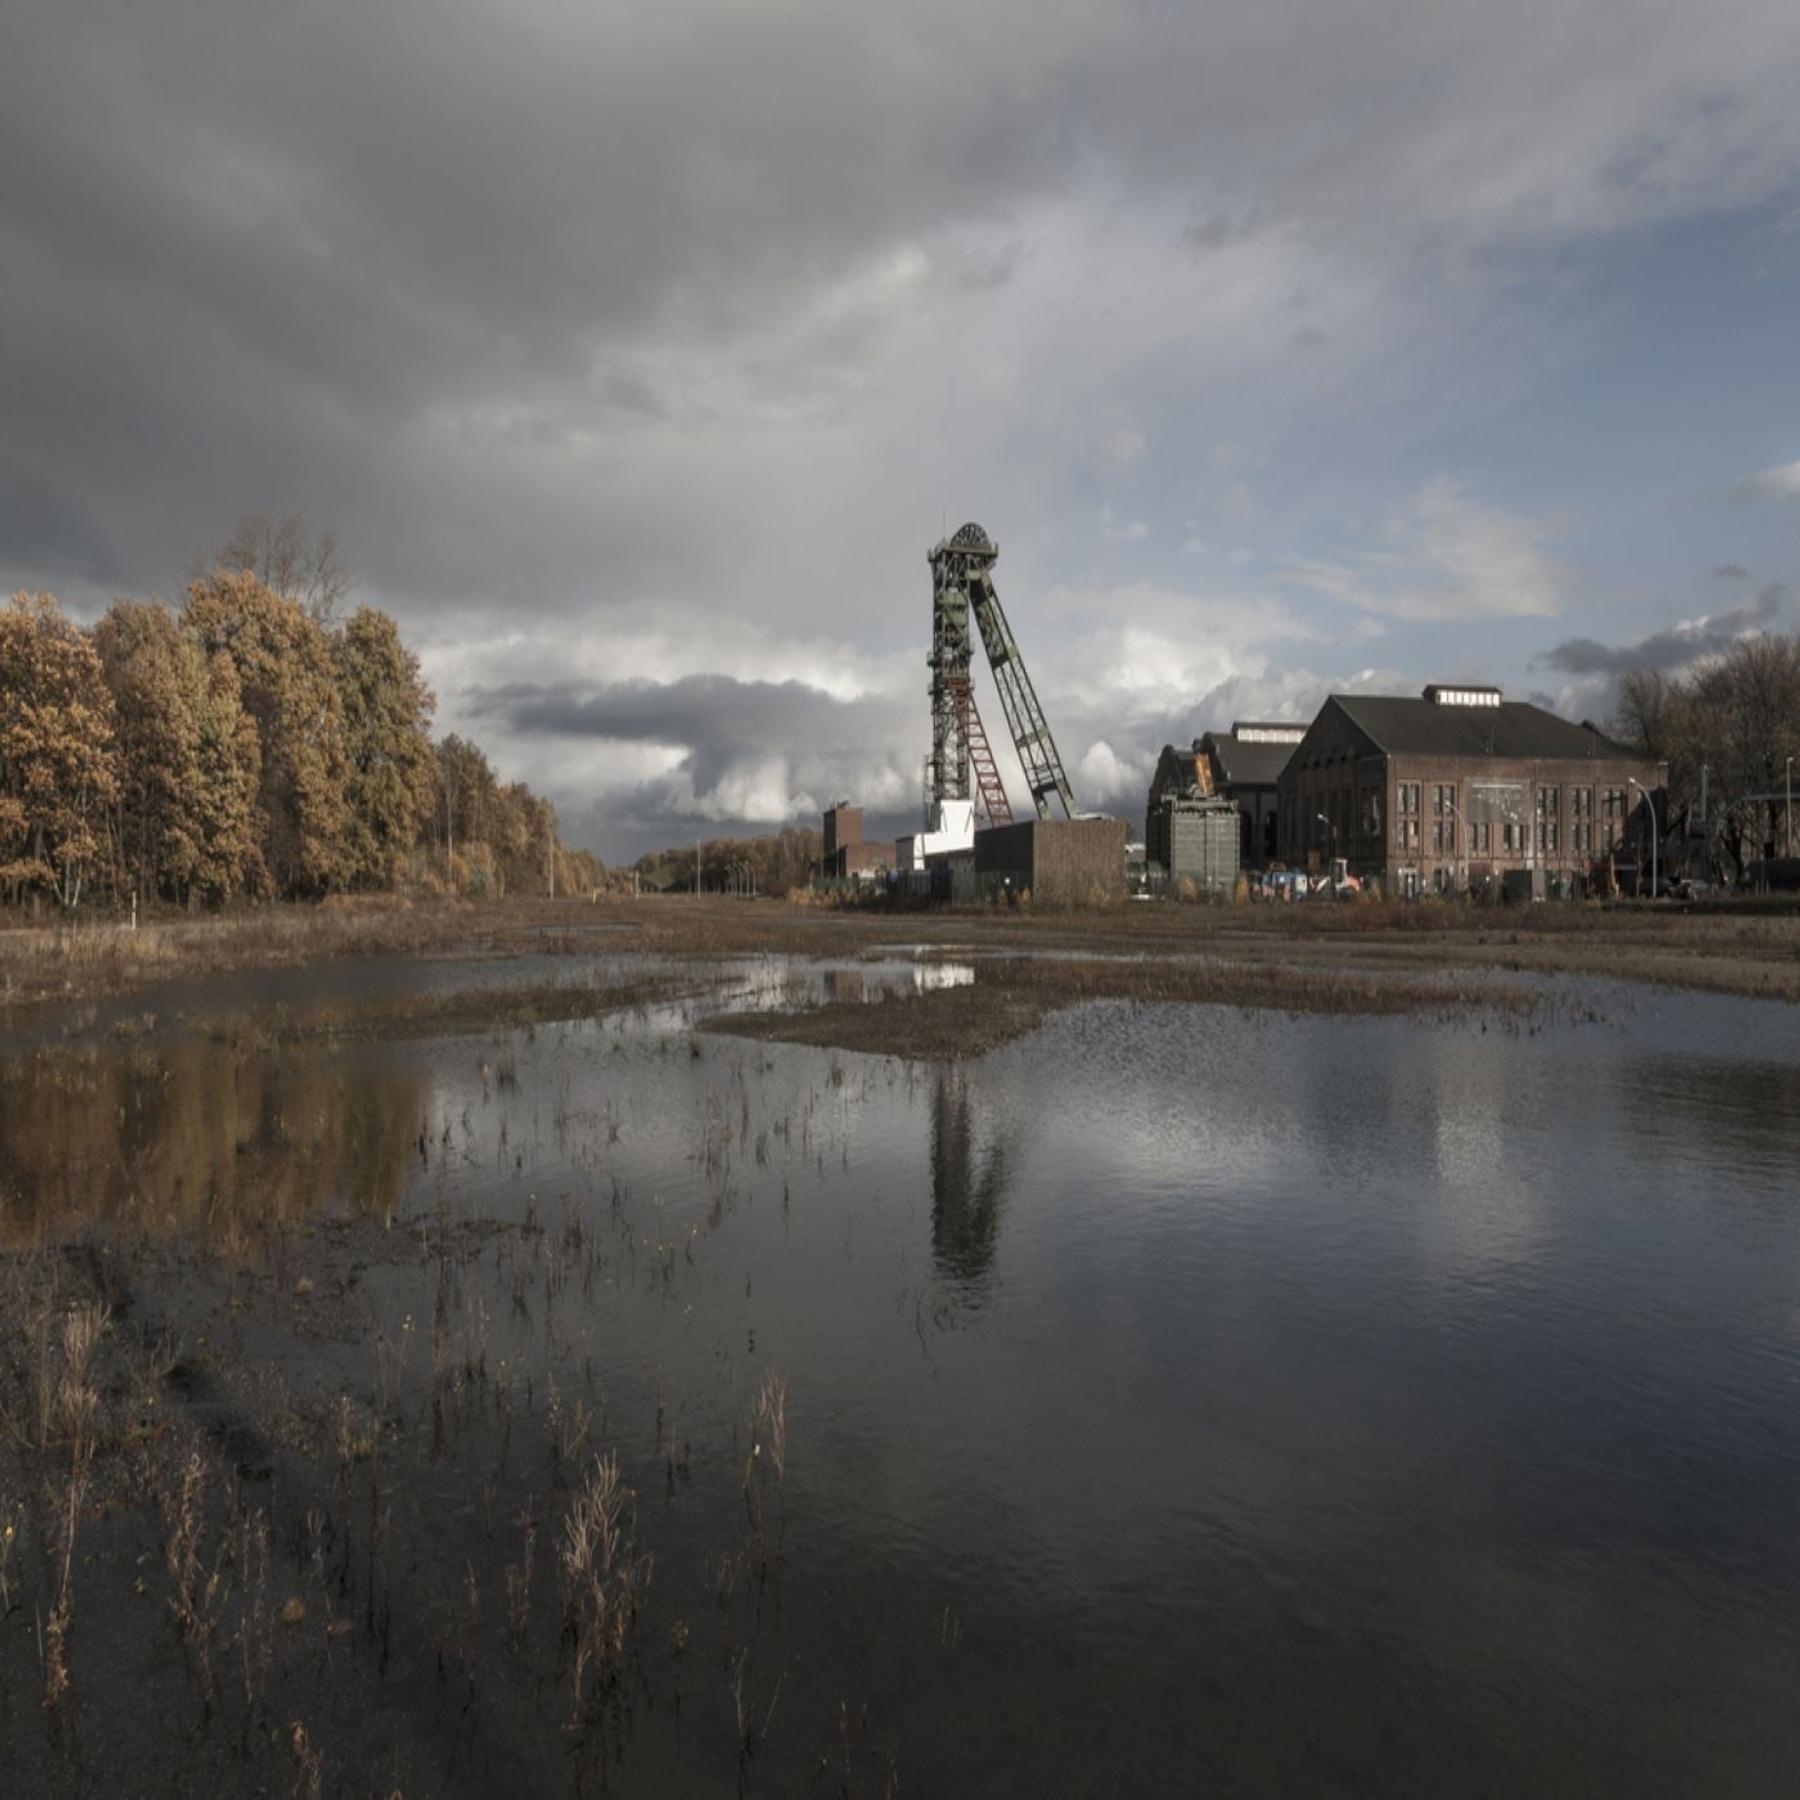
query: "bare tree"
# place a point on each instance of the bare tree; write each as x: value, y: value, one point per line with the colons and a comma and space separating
x: 286, y: 556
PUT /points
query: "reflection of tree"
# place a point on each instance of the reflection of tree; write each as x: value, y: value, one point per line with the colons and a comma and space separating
x: 197, y: 1133
x: 966, y: 1202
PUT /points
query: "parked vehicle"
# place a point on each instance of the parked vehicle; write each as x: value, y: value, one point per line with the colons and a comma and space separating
x: 1339, y: 883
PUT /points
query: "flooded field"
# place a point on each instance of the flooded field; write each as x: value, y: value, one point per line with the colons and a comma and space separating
x: 1178, y: 1398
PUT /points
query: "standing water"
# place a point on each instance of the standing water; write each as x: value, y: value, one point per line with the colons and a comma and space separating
x: 1177, y: 1399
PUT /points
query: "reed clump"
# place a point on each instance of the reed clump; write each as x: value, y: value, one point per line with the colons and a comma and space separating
x: 73, y: 1407
x: 603, y: 1579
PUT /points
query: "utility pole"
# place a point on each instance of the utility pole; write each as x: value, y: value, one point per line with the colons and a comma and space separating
x: 1788, y: 810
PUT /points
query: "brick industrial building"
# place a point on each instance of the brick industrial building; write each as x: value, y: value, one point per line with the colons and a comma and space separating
x: 846, y: 855
x: 1459, y: 789
x: 1064, y: 862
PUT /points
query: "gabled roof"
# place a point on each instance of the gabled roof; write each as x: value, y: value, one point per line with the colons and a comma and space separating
x: 1178, y: 769
x: 1246, y: 765
x: 1402, y: 726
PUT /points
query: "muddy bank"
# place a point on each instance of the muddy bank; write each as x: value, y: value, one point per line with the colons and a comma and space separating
x: 1724, y: 949
x: 1009, y: 996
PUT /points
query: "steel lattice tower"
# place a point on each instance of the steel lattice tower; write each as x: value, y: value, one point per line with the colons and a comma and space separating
x: 962, y: 582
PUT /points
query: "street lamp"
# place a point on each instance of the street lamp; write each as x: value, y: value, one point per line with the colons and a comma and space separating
x: 1788, y: 812
x: 1651, y: 804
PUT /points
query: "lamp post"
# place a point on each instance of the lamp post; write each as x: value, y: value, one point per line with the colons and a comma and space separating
x: 1651, y: 804
x: 1788, y: 810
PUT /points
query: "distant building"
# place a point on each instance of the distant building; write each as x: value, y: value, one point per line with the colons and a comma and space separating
x: 1461, y: 788
x: 1246, y: 764
x: 1241, y: 766
x: 1062, y: 862
x: 846, y: 856
x: 949, y: 836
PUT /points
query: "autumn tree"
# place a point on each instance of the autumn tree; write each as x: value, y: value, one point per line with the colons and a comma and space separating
x: 511, y: 817
x: 288, y: 677
x: 58, y: 768
x: 288, y: 557
x: 466, y: 801
x: 241, y: 748
x: 387, y: 710
x: 156, y: 678
x: 184, y: 822
x: 230, y: 782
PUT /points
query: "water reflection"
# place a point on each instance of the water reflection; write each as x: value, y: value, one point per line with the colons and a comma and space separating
x: 192, y: 1131
x: 1740, y: 1109
x: 968, y: 1187
x: 1422, y: 1393
x: 845, y: 986
x: 875, y: 981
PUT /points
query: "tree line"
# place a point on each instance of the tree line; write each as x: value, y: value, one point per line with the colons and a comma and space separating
x: 1728, y: 730
x: 770, y: 863
x: 246, y: 746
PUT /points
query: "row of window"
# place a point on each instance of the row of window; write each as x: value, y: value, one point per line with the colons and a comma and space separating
x: 1331, y: 821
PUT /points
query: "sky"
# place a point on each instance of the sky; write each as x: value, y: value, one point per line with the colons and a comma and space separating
x: 638, y: 354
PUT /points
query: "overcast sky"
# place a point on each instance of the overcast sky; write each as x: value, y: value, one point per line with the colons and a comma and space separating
x: 639, y: 353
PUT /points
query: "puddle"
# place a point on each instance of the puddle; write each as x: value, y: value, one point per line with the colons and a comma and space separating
x: 1177, y: 1398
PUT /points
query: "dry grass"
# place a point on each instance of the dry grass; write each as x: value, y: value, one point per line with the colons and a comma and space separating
x: 98, y: 955
x: 198, y: 1591
x: 74, y: 1410
x: 602, y: 1581
x: 1732, y: 947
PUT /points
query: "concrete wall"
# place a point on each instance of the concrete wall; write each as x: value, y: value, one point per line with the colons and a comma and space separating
x: 1197, y: 840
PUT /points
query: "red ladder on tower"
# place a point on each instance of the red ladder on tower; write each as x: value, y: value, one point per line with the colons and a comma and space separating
x: 981, y: 764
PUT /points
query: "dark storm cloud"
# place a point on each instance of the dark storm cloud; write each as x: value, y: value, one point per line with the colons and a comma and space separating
x: 1672, y: 649
x: 556, y: 310
x: 715, y: 718
x: 430, y: 272
x: 383, y: 263
x: 683, y: 711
